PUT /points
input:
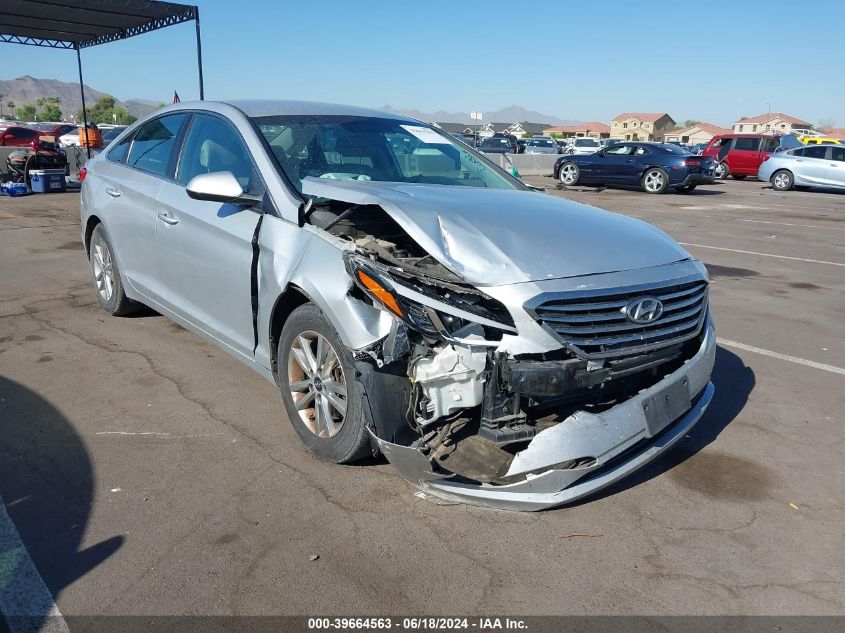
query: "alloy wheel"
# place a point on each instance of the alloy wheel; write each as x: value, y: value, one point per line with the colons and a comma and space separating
x: 317, y: 384
x: 569, y: 174
x: 103, y: 270
x: 654, y: 180
x: 781, y: 181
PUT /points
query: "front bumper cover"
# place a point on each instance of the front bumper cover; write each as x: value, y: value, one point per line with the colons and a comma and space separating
x: 618, y: 439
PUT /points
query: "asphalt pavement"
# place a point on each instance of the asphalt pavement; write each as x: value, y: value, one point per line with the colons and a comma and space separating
x: 146, y: 472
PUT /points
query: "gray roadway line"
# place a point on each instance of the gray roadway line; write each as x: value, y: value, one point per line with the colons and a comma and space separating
x: 22, y: 590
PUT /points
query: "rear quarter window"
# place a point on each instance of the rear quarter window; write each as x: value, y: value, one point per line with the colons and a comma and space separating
x: 119, y: 152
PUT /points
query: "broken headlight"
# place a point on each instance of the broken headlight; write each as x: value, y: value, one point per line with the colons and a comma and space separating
x: 434, y: 310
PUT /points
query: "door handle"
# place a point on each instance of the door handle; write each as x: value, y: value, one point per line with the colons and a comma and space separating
x: 167, y: 218
x: 114, y: 193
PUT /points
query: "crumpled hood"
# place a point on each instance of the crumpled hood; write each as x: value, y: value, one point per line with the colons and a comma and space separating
x: 493, y: 237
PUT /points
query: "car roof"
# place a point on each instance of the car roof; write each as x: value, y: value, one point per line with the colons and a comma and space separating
x: 274, y: 107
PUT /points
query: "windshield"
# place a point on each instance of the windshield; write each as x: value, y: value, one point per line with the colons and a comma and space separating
x: 339, y: 147
x: 586, y: 142
x: 543, y: 142
x: 495, y: 142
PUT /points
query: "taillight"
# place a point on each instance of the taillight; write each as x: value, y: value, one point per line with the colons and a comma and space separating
x: 34, y: 145
x: 691, y: 161
x: 83, y: 171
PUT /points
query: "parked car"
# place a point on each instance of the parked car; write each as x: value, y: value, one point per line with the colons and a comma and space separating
x: 541, y: 145
x: 655, y: 167
x: 520, y: 145
x: 813, y: 166
x: 70, y: 139
x: 697, y: 148
x: 18, y: 136
x: 112, y: 133
x: 496, y: 145
x: 561, y: 145
x: 584, y: 146
x: 407, y: 303
x: 819, y: 140
x: 740, y: 155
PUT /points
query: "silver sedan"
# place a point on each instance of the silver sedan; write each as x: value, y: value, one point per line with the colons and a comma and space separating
x: 811, y: 166
x: 406, y: 295
x: 541, y: 145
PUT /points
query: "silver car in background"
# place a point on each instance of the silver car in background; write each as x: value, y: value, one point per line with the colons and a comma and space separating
x: 541, y: 145
x: 584, y: 146
x: 811, y: 166
x: 498, y: 345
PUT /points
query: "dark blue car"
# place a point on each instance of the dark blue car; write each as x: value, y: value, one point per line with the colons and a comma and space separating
x: 655, y: 167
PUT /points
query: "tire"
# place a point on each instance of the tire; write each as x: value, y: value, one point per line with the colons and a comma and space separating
x: 569, y: 174
x: 655, y: 180
x: 108, y: 283
x: 686, y: 189
x: 782, y: 180
x: 723, y: 171
x: 333, y: 427
x: 738, y: 176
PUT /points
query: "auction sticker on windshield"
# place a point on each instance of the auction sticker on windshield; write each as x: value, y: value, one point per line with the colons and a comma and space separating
x: 426, y: 135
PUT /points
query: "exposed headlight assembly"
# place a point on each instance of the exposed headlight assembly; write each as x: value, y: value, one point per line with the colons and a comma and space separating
x: 437, y: 312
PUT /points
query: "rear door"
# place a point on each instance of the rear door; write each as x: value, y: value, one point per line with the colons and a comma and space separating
x: 836, y: 166
x: 205, y: 248
x: 812, y: 167
x: 131, y: 177
x: 744, y: 155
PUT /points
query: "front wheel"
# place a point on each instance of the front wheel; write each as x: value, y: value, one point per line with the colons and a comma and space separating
x: 569, y: 174
x: 317, y: 381
x: 782, y: 180
x: 722, y: 170
x: 655, y: 180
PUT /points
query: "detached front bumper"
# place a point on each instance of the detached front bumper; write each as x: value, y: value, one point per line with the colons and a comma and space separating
x: 621, y: 439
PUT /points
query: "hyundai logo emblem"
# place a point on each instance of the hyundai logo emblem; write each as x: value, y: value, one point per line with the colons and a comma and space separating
x: 643, y: 310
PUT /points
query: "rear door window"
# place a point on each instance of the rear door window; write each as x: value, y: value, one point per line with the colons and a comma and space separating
x: 838, y: 153
x: 152, y: 149
x: 816, y: 151
x: 747, y: 143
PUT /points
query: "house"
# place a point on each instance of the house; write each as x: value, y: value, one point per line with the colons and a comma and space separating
x: 836, y: 132
x: 518, y: 130
x: 593, y: 129
x: 698, y: 133
x: 453, y: 128
x: 771, y: 123
x: 641, y: 126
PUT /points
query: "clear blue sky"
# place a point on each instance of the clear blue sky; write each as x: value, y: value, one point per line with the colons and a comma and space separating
x: 586, y: 60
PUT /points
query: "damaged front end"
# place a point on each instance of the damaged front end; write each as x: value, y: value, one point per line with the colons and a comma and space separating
x: 527, y: 395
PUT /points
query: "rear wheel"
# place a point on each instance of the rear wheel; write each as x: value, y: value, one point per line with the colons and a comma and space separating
x: 739, y: 176
x: 782, y: 180
x: 655, y: 180
x: 569, y: 174
x: 106, y: 277
x: 686, y: 189
x: 722, y: 170
x: 317, y: 380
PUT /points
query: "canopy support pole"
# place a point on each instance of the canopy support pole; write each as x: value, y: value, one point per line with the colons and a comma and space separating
x: 199, y: 51
x: 84, y: 109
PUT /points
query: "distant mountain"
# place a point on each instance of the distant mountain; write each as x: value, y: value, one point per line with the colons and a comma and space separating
x: 28, y: 89
x: 511, y: 114
x: 140, y: 108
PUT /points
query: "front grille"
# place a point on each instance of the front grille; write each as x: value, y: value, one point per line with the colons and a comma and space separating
x: 594, y: 324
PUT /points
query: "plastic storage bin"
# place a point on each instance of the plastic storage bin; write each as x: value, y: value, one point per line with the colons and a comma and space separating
x: 47, y: 180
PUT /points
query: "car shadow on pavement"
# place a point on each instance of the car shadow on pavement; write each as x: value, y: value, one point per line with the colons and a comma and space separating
x: 734, y: 382
x: 47, y: 485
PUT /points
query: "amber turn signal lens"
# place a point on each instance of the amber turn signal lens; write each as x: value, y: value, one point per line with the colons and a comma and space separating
x: 380, y: 293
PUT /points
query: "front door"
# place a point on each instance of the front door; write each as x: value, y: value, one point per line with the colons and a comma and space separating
x: 205, y: 248
x: 836, y: 166
x: 615, y: 164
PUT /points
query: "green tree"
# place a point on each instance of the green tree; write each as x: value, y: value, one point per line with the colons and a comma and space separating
x: 26, y: 112
x: 690, y: 123
x: 50, y: 110
x: 107, y: 111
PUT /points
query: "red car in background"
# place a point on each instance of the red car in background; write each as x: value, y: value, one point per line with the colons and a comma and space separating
x: 740, y: 155
x: 16, y: 136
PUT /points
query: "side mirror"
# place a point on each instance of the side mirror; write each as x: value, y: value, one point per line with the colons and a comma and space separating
x: 219, y: 186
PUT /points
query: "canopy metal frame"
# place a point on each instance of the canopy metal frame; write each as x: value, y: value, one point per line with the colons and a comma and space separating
x: 78, y: 24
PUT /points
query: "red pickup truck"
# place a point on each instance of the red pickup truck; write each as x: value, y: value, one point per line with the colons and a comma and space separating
x: 740, y: 155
